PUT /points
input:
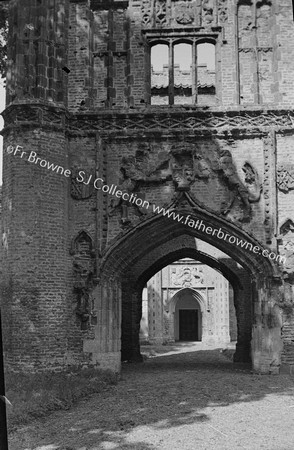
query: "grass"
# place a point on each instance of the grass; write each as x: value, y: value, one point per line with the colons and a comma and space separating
x: 36, y: 395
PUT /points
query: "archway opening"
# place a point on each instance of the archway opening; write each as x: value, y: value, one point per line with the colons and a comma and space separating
x: 187, y: 317
x: 188, y: 300
x: 158, y: 241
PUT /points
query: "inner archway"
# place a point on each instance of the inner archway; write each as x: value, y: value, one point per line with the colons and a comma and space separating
x: 189, y: 300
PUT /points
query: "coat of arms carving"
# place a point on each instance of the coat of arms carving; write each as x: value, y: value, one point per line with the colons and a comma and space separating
x: 184, y: 13
x: 285, y: 177
x: 187, y: 277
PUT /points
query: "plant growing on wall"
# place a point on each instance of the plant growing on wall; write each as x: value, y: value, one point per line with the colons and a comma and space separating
x: 3, y: 37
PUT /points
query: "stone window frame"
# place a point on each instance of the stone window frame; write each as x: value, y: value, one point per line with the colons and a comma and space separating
x: 172, y: 38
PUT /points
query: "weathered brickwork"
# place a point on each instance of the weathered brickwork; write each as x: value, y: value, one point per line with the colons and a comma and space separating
x: 76, y: 257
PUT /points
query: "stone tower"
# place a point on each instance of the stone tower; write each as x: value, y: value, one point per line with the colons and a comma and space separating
x: 90, y: 158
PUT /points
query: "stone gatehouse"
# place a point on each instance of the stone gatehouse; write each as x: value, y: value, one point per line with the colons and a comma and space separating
x: 90, y: 159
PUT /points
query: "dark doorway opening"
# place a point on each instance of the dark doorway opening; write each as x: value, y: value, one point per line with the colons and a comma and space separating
x: 188, y: 322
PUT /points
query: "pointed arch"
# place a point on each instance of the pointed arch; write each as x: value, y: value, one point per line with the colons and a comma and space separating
x: 196, y: 295
x: 82, y: 243
x: 157, y: 230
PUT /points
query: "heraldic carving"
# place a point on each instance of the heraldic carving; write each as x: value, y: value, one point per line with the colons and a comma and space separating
x: 285, y: 177
x: 160, y: 13
x: 187, y: 277
x: 186, y: 166
x: 184, y: 13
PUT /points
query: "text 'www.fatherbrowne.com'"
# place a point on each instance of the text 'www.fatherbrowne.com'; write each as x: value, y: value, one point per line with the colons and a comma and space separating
x: 219, y: 233
x: 132, y: 198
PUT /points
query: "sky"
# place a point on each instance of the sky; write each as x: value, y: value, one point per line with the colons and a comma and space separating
x: 183, y: 56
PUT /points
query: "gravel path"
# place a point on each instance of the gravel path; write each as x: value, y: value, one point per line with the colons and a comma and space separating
x: 184, y: 401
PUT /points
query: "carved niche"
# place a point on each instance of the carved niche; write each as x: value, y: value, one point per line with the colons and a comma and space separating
x: 285, y: 177
x: 84, y: 270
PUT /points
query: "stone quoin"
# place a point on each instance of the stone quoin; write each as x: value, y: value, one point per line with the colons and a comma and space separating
x: 212, y: 140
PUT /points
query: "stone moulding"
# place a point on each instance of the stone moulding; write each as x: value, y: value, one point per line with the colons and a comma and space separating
x: 184, y: 120
x: 36, y: 114
x: 262, y: 266
x: 96, y: 5
x: 110, y: 122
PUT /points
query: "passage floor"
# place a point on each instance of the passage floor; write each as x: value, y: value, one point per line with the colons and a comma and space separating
x: 182, y: 397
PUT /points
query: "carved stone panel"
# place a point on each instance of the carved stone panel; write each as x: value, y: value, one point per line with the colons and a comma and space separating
x: 184, y: 13
x: 163, y: 13
x: 187, y: 277
x: 160, y: 12
x: 146, y: 11
x: 247, y: 190
x: 81, y: 190
x: 137, y: 171
x: 285, y: 177
x: 222, y: 11
x: 208, y: 13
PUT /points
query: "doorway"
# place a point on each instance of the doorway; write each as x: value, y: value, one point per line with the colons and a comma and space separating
x: 188, y: 324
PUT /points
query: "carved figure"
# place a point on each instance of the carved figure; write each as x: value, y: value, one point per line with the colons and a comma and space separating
x: 198, y: 275
x: 201, y: 167
x: 134, y: 175
x: 186, y: 168
x: 286, y: 245
x: 183, y: 176
x: 248, y: 193
x: 84, y: 268
x: 83, y: 284
x: 251, y: 180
